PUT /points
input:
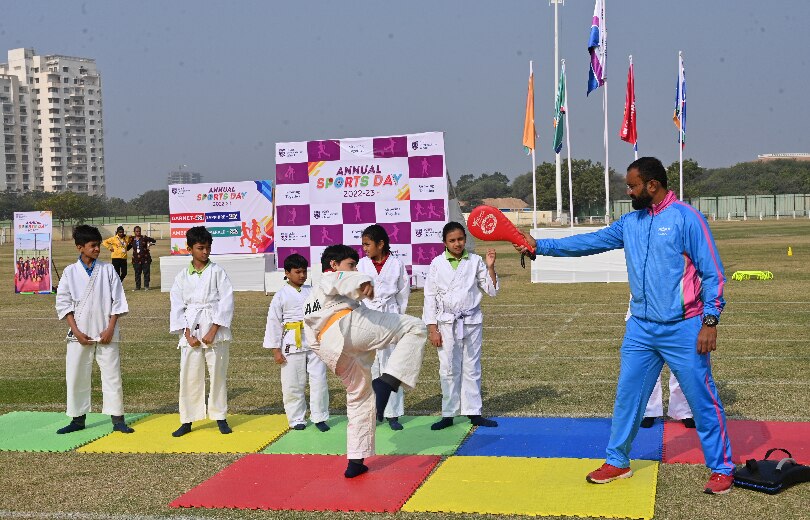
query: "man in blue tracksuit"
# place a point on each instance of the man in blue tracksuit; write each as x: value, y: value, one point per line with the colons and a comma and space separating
x: 676, y: 282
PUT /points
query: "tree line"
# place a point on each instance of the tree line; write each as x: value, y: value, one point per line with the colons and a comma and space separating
x: 751, y: 178
x: 76, y: 207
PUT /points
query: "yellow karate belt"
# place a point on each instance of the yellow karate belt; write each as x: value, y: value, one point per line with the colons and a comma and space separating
x: 297, y: 326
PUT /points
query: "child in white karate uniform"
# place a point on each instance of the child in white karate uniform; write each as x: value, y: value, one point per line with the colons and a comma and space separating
x: 201, y: 314
x: 284, y: 335
x: 391, y: 291
x: 452, y: 312
x: 345, y: 335
x: 90, y: 298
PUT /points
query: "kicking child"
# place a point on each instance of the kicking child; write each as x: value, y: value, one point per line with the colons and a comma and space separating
x: 345, y: 335
x: 391, y: 291
x: 201, y: 314
x: 90, y: 298
x: 452, y: 312
x: 283, y: 334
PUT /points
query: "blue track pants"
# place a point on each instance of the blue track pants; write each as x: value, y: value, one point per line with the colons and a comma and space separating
x: 646, y: 346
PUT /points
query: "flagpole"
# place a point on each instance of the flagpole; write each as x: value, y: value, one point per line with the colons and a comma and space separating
x: 557, y: 169
x: 534, y: 168
x: 568, y: 149
x: 605, y: 107
x: 680, y: 129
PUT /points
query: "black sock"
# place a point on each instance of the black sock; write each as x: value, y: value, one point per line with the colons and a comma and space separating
x: 224, y: 429
x: 355, y: 468
x: 322, y: 426
x: 391, y: 381
x: 477, y: 420
x: 442, y: 424
x: 76, y: 424
x: 299, y: 426
x: 382, y: 392
x: 647, y: 422
x: 394, y: 423
x: 182, y: 430
x: 120, y: 425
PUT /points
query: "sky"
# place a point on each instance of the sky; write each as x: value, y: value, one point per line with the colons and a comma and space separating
x: 214, y: 85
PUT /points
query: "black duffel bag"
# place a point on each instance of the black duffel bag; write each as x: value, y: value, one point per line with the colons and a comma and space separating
x: 771, y: 476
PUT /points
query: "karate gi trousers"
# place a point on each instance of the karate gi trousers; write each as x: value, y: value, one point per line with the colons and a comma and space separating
x: 294, y: 374
x: 678, y: 408
x: 78, y: 374
x: 460, y: 368
x: 646, y: 347
x: 347, y: 348
x: 396, y: 404
x: 193, y: 362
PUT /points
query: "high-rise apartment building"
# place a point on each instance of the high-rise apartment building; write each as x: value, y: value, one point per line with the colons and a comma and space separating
x: 53, y: 136
x: 184, y: 177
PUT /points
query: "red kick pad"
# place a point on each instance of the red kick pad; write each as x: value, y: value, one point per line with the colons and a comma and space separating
x: 749, y: 440
x: 311, y: 483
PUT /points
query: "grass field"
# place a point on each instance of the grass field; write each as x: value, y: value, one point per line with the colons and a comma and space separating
x: 549, y: 350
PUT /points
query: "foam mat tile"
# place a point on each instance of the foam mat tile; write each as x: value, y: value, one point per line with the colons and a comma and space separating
x: 311, y: 483
x: 532, y: 486
x: 250, y: 434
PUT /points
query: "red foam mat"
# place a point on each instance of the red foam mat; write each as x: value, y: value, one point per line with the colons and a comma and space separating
x: 311, y: 483
x: 749, y: 440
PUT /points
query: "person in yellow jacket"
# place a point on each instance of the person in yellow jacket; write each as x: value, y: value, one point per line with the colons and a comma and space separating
x: 118, y: 245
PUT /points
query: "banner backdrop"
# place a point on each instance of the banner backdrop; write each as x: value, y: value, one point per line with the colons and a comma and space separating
x: 32, y: 252
x: 239, y: 215
x: 327, y: 192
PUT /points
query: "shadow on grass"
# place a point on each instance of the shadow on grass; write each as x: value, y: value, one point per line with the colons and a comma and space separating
x: 517, y: 399
x: 495, y: 404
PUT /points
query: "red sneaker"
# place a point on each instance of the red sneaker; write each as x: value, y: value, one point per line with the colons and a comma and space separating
x: 608, y: 473
x: 719, y: 484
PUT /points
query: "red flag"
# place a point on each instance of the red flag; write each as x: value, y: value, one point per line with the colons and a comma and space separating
x: 628, y: 132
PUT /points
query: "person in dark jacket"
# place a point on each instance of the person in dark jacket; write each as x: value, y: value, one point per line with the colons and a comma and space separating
x: 141, y: 258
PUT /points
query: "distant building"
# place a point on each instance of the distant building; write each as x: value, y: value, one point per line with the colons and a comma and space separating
x: 53, y: 136
x: 510, y: 203
x: 783, y: 156
x: 184, y: 177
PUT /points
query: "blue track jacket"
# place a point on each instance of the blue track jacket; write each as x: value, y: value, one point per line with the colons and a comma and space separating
x: 673, y: 266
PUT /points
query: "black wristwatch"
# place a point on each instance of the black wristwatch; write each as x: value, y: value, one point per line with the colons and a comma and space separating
x: 710, y: 320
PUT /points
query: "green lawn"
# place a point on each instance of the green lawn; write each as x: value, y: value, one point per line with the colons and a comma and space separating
x: 549, y: 350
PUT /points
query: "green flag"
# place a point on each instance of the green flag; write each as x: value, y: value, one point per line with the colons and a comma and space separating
x: 559, y: 113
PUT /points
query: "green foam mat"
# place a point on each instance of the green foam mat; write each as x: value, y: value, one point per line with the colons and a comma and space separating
x: 415, y: 439
x: 36, y: 431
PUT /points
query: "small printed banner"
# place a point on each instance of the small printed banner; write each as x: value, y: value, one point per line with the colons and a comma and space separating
x: 32, y: 252
x: 329, y: 191
x: 239, y: 215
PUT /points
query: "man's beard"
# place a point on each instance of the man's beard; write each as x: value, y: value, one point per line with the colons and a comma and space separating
x: 643, y: 201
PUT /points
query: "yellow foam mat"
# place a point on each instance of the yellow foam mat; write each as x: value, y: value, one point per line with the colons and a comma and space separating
x: 153, y: 434
x: 532, y: 486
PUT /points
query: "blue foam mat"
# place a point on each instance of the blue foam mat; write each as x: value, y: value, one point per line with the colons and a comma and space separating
x: 557, y: 437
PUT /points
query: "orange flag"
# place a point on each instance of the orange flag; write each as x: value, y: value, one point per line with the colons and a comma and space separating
x: 529, y: 133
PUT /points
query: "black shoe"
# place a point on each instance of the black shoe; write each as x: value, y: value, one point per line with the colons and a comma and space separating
x: 394, y: 423
x: 322, y: 426
x: 689, y: 422
x: 442, y: 424
x: 355, y: 469
x: 182, y: 430
x: 382, y: 392
x: 477, y: 420
x: 119, y: 425
x: 647, y: 422
x: 299, y: 427
x: 76, y: 424
x: 224, y: 429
